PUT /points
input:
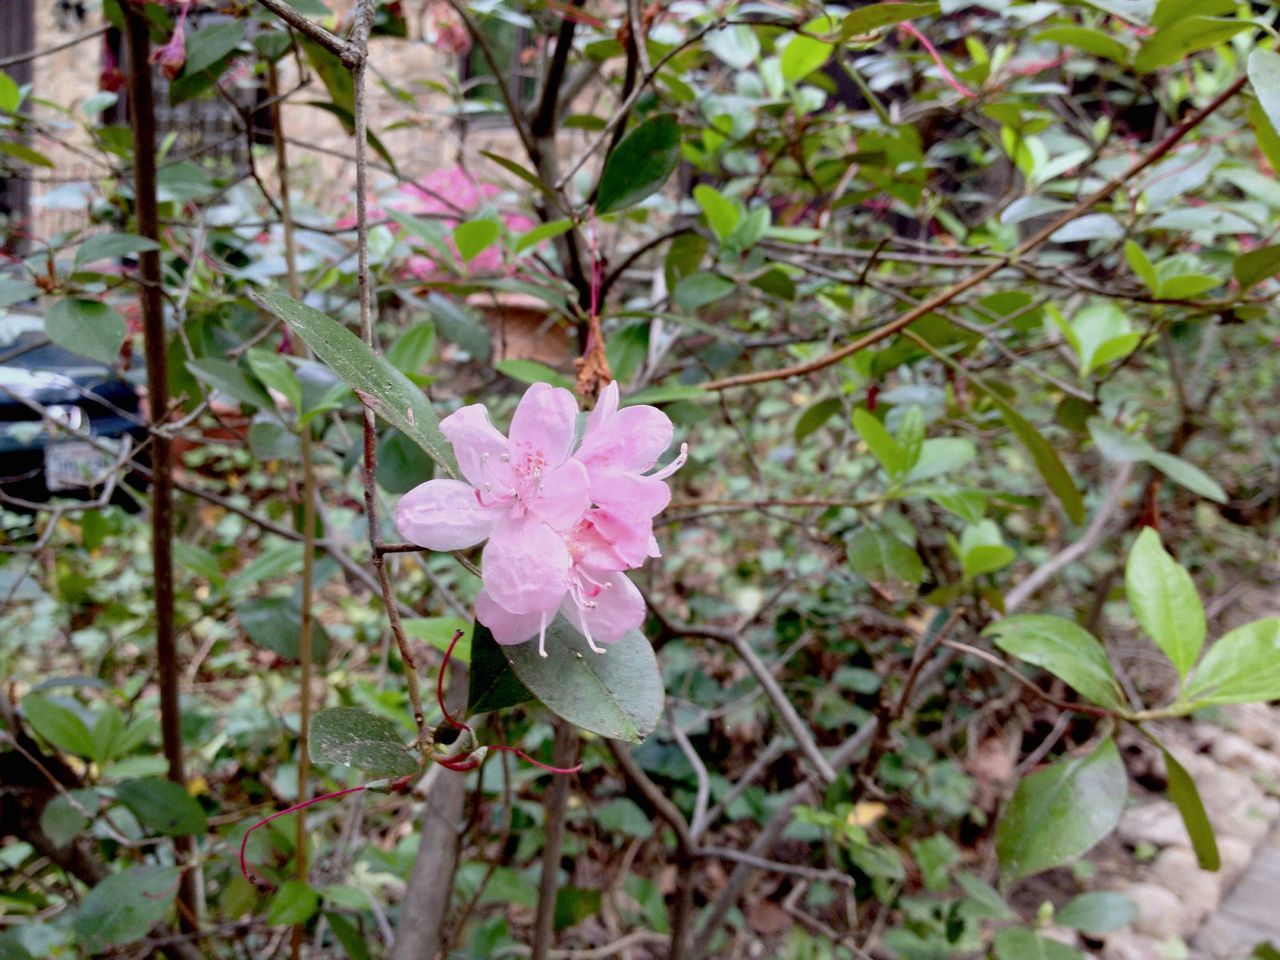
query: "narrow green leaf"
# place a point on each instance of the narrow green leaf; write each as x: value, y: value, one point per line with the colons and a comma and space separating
x: 228, y: 378
x: 1019, y: 943
x: 1059, y: 813
x: 1164, y: 601
x: 163, y: 807
x: 1065, y: 649
x: 1046, y: 458
x: 640, y: 164
x: 880, y: 442
x: 1141, y: 265
x: 357, y: 738
x: 701, y: 289
x: 274, y: 371
x: 528, y: 176
x: 384, y: 388
x: 1186, y: 797
x: 815, y: 415
x: 1170, y: 44
x: 109, y: 246
x: 530, y: 371
x: 10, y: 93
x: 88, y: 328
x: 61, y: 822
x: 1264, y: 74
x: 20, y: 151
x: 543, y: 231
x: 1255, y: 266
x: 876, y: 15
x: 412, y: 350
x: 1243, y: 666
x: 1187, y: 475
x: 439, y: 631
x: 722, y: 213
x: 1087, y: 39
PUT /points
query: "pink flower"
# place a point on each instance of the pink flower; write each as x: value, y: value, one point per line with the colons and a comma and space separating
x: 173, y: 54
x: 561, y: 526
x: 519, y: 493
x: 618, y: 447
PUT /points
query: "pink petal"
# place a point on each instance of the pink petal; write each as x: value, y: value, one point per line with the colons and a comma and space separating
x: 629, y: 493
x: 600, y: 415
x: 525, y: 565
x: 507, y: 627
x: 623, y: 541
x: 472, y: 436
x: 631, y: 439
x: 443, y: 515
x: 564, y: 495
x: 619, y: 608
x: 544, y: 424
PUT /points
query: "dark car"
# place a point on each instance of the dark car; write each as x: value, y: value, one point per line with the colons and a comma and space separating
x: 44, y: 389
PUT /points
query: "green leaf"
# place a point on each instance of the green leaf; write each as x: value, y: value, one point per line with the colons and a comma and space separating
x: 982, y: 549
x: 58, y: 726
x: 20, y: 151
x: 531, y: 371
x: 124, y: 907
x: 348, y: 934
x: 16, y: 291
x: 493, y: 684
x: 208, y: 45
x: 1182, y: 791
x: 10, y: 93
x: 163, y: 807
x: 474, y: 236
x: 357, y: 738
x: 700, y: 289
x: 1065, y: 649
x: 666, y: 393
x: 802, y: 55
x: 1141, y: 265
x: 1243, y: 666
x: 1164, y: 601
x: 275, y: 624
x: 941, y: 455
x: 1255, y: 266
x: 640, y: 164
x: 294, y: 902
x: 1019, y: 943
x: 274, y: 371
x: 880, y: 442
x: 385, y: 389
x: 616, y: 694
x: 888, y: 565
x: 402, y: 464
x: 61, y: 822
x: 183, y: 181
x: 575, y: 904
x: 439, y: 631
x: 543, y: 231
x: 1098, y: 911
x: 227, y: 377
x: 1058, y: 813
x: 722, y: 213
x: 1170, y: 44
x: 412, y: 350
x: 109, y: 246
x: 1087, y: 39
x: 1045, y: 457
x: 528, y: 176
x: 815, y: 415
x: 1264, y: 74
x: 88, y: 328
x: 876, y: 15
x: 983, y: 900
x: 1188, y: 475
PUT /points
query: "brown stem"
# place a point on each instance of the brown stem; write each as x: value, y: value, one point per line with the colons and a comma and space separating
x: 941, y: 299
x: 564, y: 754
x: 308, y: 509
x: 142, y: 115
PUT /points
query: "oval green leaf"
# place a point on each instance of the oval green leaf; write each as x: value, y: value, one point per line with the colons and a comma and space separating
x: 640, y: 164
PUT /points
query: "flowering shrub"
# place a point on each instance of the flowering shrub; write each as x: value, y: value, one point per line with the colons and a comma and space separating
x: 561, y: 524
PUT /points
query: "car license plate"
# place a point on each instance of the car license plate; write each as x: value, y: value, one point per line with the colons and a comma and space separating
x: 77, y: 465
